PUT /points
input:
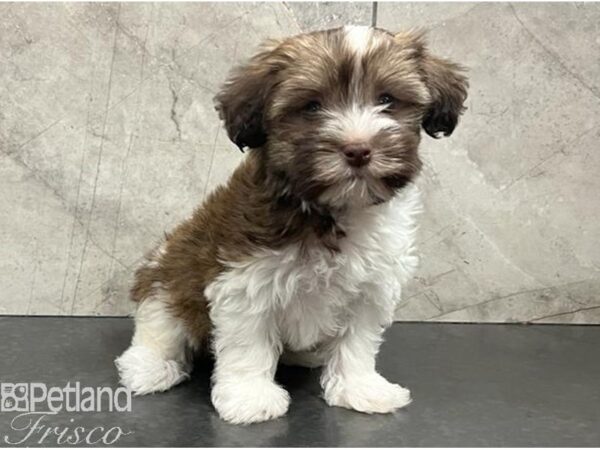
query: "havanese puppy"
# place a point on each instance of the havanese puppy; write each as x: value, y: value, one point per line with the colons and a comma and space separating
x: 302, y: 255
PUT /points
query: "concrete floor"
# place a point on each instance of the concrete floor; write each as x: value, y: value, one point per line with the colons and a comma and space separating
x: 473, y: 385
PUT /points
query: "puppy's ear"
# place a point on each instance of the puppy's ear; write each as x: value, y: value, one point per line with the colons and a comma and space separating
x: 448, y: 88
x: 242, y: 98
x: 445, y: 81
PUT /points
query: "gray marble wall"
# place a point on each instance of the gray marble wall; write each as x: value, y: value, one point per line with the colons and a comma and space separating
x: 108, y: 138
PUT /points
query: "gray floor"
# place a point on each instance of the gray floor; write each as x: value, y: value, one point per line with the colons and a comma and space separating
x: 473, y: 385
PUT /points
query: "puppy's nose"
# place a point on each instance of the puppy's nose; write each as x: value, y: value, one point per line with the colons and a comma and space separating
x: 357, y: 155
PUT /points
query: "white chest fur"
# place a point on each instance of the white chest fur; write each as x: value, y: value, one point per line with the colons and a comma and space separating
x: 311, y: 292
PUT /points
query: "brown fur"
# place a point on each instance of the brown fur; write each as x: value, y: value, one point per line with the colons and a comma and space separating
x: 272, y: 199
x: 232, y: 223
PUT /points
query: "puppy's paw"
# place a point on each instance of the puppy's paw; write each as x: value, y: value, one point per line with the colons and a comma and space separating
x: 249, y: 401
x: 368, y: 393
x: 144, y: 371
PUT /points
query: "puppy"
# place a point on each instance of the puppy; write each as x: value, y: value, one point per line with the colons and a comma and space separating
x: 303, y: 253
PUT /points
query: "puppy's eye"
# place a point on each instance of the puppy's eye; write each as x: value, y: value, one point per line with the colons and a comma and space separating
x: 312, y: 107
x: 385, y: 99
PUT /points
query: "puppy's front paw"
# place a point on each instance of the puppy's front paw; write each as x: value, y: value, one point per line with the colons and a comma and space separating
x: 368, y: 393
x: 249, y: 401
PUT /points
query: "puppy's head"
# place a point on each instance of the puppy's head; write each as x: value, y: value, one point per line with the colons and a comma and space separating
x: 338, y: 113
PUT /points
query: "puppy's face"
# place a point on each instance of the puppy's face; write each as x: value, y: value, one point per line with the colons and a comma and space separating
x: 338, y: 113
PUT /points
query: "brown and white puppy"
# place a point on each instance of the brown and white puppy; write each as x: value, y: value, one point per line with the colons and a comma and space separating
x: 303, y: 253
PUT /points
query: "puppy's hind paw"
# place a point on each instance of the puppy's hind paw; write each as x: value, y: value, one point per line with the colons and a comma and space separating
x: 144, y: 371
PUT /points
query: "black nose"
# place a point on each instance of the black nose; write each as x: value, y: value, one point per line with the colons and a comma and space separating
x: 357, y: 155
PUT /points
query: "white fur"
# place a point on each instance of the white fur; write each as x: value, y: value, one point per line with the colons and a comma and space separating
x: 354, y: 124
x: 327, y: 308
x: 157, y: 357
x: 358, y: 123
x: 355, y: 192
x: 357, y: 37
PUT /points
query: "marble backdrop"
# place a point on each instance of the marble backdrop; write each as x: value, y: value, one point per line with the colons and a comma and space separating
x: 108, y: 138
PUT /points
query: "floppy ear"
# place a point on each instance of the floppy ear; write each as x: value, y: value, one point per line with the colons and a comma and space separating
x: 445, y: 82
x: 448, y: 89
x: 242, y: 98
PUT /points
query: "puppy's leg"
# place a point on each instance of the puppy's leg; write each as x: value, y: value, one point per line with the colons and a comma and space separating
x: 246, y: 346
x: 157, y: 357
x: 349, y: 377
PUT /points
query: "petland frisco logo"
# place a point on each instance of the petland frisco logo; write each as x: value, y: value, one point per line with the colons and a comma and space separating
x: 36, y: 404
x: 32, y: 397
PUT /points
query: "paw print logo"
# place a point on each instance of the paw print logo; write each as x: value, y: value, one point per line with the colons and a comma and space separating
x: 13, y: 397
